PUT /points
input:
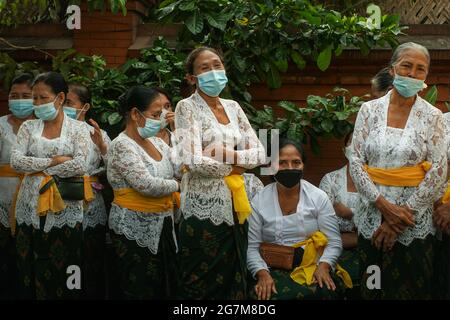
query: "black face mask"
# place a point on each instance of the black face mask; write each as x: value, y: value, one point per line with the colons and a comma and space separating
x: 289, y: 177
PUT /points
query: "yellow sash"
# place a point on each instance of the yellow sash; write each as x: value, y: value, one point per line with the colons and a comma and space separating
x: 133, y: 200
x: 87, y: 183
x: 6, y: 171
x: 236, y: 184
x: 399, y: 177
x: 314, y: 246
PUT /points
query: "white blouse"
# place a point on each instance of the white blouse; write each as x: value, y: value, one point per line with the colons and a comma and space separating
x: 130, y: 166
x: 335, y: 186
x: 34, y: 153
x: 8, y: 140
x: 268, y: 224
x: 95, y: 213
x: 204, y: 192
x: 377, y: 145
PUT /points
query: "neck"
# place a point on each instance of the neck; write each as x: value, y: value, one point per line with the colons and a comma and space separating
x: 210, y: 101
x: 14, y: 119
x: 58, y: 120
x: 288, y: 191
x: 132, y: 132
x: 81, y: 118
x: 398, y: 100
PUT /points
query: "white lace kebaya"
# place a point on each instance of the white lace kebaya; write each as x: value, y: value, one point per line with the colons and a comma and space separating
x: 95, y: 213
x: 335, y: 186
x: 204, y: 192
x: 377, y: 145
x: 34, y: 154
x: 130, y: 166
x: 8, y: 140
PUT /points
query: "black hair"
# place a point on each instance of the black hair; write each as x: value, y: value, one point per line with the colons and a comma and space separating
x: 82, y: 92
x: 348, y: 137
x: 23, y: 78
x: 54, y: 80
x: 164, y: 93
x: 139, y: 97
x: 190, y: 60
x: 382, y: 81
x: 297, y: 145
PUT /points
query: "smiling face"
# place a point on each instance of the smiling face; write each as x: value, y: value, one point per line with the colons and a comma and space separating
x: 153, y: 111
x: 43, y: 94
x: 204, y: 62
x: 20, y: 91
x: 412, y: 63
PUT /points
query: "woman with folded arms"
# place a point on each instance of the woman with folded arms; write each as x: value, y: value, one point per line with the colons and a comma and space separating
x: 141, y: 173
x: 49, y: 231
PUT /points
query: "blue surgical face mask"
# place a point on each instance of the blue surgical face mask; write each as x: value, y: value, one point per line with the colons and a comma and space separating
x: 21, y: 108
x: 71, y: 112
x: 212, y: 82
x: 150, y: 129
x: 47, y: 111
x: 406, y: 86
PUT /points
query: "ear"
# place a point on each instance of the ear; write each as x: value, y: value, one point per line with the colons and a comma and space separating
x: 86, y: 107
x: 391, y: 71
x: 61, y: 97
x: 134, y: 115
x: 191, y: 79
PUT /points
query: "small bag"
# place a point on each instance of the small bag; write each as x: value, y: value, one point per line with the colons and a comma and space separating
x: 69, y: 188
x: 281, y: 257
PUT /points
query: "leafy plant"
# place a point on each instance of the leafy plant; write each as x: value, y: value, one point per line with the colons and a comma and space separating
x: 431, y: 95
x: 321, y: 117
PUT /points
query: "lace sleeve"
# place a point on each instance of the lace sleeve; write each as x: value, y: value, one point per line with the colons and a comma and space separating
x: 326, y: 184
x: 126, y: 160
x: 107, y: 142
x: 78, y: 165
x: 189, y: 144
x: 255, y: 229
x: 253, y: 153
x: 19, y: 159
x: 430, y: 187
x: 328, y: 224
x: 362, y: 181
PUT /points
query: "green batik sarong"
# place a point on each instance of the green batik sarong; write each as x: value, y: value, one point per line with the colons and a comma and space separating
x: 8, y: 266
x: 406, y: 271
x: 94, y: 262
x: 43, y: 259
x: 349, y: 260
x: 212, y: 260
x: 442, y: 269
x: 143, y: 275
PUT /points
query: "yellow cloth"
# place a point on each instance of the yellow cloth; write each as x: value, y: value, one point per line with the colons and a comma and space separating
x: 399, y: 177
x: 88, y: 192
x: 241, y: 204
x: 6, y: 171
x: 314, y: 246
x: 51, y: 199
x: 446, y: 196
x: 133, y: 200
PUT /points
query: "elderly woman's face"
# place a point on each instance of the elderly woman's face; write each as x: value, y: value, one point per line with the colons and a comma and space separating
x: 290, y: 158
x: 413, y: 64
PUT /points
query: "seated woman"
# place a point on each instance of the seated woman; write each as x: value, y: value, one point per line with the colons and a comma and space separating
x: 287, y: 212
x: 343, y: 194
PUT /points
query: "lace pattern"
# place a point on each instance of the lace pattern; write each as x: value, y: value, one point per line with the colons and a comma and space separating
x: 129, y: 166
x: 377, y: 145
x: 204, y: 192
x: 33, y: 153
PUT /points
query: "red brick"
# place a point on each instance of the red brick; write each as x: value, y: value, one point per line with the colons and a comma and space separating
x: 98, y: 27
x: 306, y: 80
x: 288, y: 79
x: 349, y: 80
x: 105, y: 43
x: 125, y: 35
x: 116, y: 52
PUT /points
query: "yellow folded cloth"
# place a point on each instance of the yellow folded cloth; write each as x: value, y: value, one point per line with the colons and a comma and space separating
x: 133, y: 200
x: 399, y: 177
x: 314, y: 246
x: 236, y: 184
x: 6, y: 171
x: 50, y: 200
x: 87, y: 183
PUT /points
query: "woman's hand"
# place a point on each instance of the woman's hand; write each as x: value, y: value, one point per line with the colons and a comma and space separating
x: 384, y: 238
x: 265, y: 286
x: 322, y: 276
x: 170, y: 118
x: 441, y: 216
x: 56, y: 160
x: 342, y: 211
x: 97, y: 137
x: 398, y: 217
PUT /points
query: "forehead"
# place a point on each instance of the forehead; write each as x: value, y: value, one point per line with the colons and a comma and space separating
x: 290, y: 152
x: 20, y: 87
x: 206, y: 57
x: 72, y: 96
x: 414, y: 56
x: 42, y: 88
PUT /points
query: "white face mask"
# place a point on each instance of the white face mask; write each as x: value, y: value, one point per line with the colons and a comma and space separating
x: 163, y: 118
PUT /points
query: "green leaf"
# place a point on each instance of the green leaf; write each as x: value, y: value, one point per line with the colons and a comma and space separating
x: 324, y: 58
x: 195, y: 23
x: 327, y: 125
x: 289, y: 106
x: 114, y: 118
x: 273, y: 77
x: 341, y: 115
x: 431, y: 95
x: 338, y: 50
x: 187, y: 6
x: 166, y: 10
x: 298, y: 60
x: 217, y: 21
